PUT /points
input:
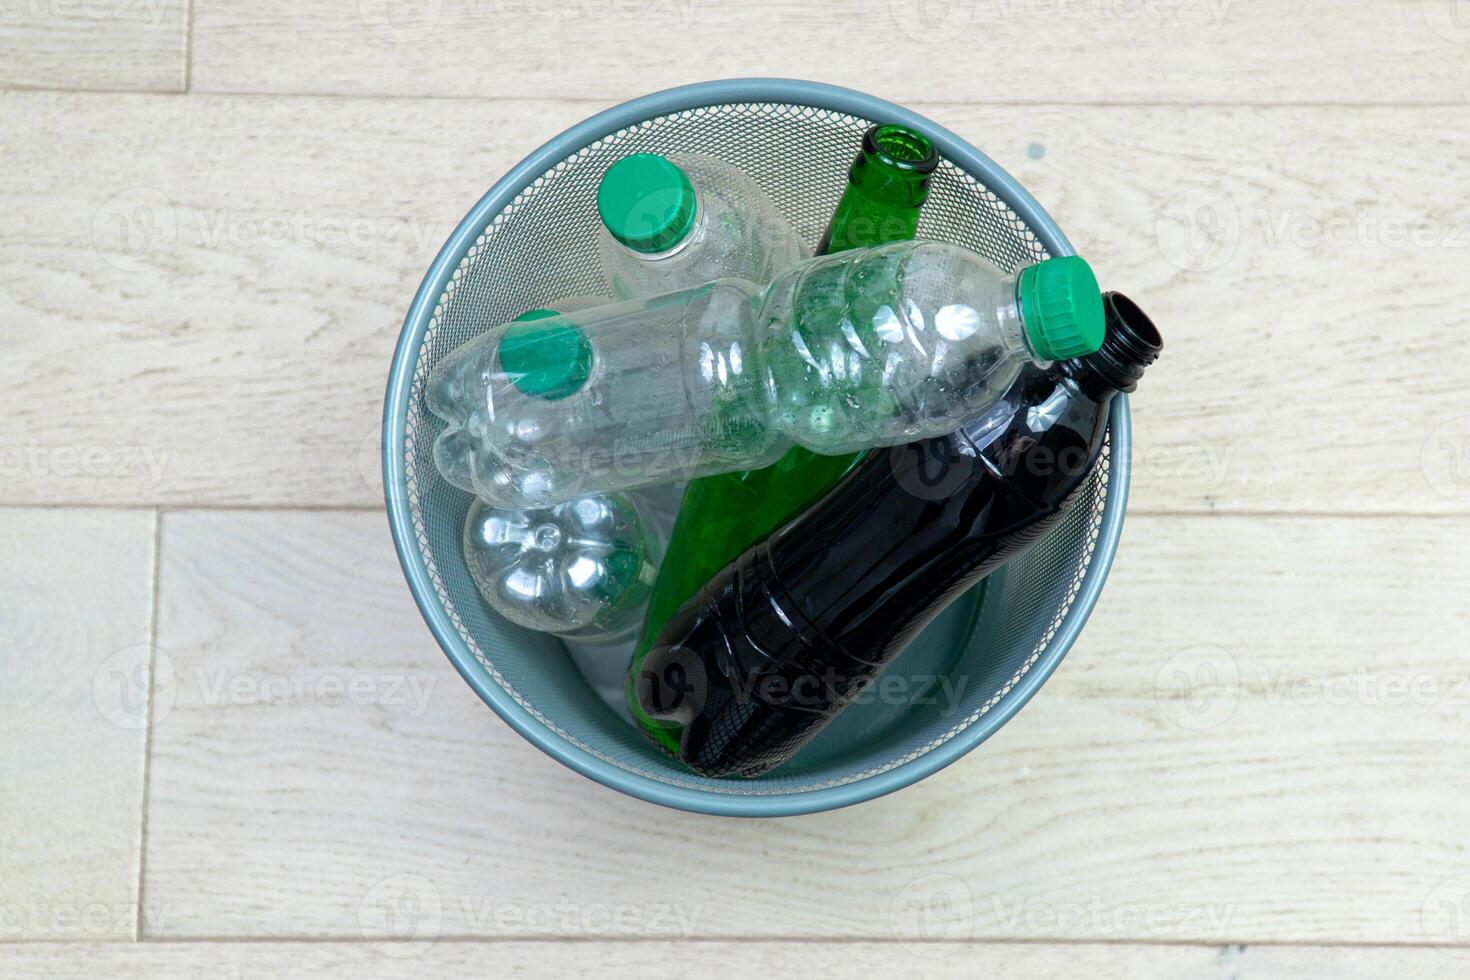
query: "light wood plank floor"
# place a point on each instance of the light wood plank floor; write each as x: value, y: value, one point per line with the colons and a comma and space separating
x: 195, y: 352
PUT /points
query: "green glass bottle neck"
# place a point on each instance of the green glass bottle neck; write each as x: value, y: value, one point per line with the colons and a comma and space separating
x: 886, y: 185
x: 894, y: 166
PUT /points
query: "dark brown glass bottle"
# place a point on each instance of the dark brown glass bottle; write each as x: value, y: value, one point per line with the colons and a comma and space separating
x: 783, y: 638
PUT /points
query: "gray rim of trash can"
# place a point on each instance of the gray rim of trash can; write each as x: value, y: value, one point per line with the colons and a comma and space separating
x: 395, y: 476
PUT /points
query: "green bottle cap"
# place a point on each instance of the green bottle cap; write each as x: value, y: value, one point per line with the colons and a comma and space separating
x: 1061, y: 308
x: 646, y: 202
x: 548, y: 361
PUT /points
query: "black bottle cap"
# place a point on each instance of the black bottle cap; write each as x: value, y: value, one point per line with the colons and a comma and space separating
x: 1130, y: 344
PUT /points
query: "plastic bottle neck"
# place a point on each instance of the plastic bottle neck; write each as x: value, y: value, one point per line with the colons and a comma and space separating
x: 1131, y: 343
x: 1012, y: 325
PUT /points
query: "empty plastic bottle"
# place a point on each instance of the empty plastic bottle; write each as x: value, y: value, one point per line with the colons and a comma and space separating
x: 870, y: 347
x: 781, y: 640
x: 723, y: 515
x: 581, y: 570
x: 674, y: 222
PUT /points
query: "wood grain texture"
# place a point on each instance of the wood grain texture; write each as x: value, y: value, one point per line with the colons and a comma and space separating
x: 1016, y: 51
x: 209, y: 289
x: 1258, y: 742
x: 74, y: 607
x: 1240, y: 749
x: 736, y: 961
x: 108, y: 45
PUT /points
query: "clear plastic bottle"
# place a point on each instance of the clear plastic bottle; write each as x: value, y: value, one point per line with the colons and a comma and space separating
x: 675, y: 222
x: 870, y: 347
x: 581, y: 570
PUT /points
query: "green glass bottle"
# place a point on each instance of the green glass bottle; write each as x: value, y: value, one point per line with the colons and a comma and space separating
x: 723, y: 515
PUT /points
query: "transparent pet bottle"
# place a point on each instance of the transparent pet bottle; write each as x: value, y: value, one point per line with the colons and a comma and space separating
x: 581, y: 570
x: 671, y: 223
x: 871, y: 347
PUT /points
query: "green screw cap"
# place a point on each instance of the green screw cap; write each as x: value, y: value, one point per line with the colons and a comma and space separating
x: 646, y: 202
x: 548, y: 361
x: 1061, y: 308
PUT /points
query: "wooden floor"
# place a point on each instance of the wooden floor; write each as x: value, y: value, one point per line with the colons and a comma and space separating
x: 229, y: 746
